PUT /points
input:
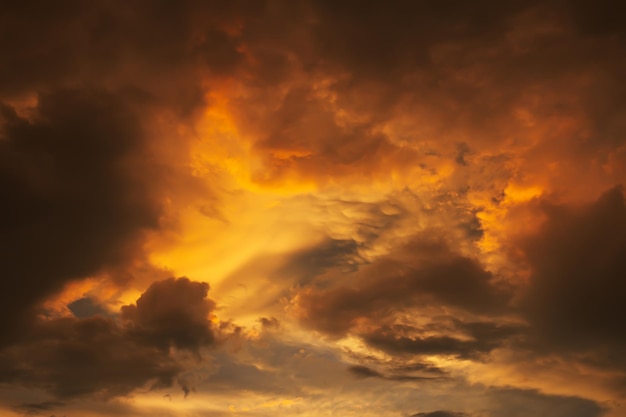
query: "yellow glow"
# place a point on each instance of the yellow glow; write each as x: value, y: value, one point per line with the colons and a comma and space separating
x: 517, y: 194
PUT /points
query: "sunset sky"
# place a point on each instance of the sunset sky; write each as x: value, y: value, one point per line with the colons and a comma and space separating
x: 281, y: 208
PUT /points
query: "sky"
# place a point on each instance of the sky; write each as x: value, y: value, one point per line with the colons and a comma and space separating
x: 256, y: 208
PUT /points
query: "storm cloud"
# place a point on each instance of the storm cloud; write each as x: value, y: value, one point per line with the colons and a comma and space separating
x: 401, y: 208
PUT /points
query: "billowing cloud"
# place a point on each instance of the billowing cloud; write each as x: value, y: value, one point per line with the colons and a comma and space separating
x: 106, y: 356
x: 175, y: 313
x: 405, y: 208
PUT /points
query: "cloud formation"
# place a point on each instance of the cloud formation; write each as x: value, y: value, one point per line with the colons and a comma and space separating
x: 577, y: 273
x: 77, y: 205
x: 402, y: 208
x: 106, y: 356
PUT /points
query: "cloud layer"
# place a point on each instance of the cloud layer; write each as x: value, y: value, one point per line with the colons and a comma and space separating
x: 405, y: 208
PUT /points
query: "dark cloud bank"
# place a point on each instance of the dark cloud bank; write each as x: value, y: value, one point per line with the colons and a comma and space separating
x: 112, y: 356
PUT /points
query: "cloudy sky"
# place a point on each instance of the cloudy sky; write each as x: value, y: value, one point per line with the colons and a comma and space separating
x: 313, y: 208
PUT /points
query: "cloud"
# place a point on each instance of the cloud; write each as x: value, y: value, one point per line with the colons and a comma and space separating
x: 577, y: 285
x: 440, y: 413
x: 363, y: 372
x: 107, y: 357
x: 78, y: 357
x: 173, y: 312
x: 78, y: 204
x: 161, y: 50
x: 421, y: 272
x: 474, y: 111
x: 483, y: 338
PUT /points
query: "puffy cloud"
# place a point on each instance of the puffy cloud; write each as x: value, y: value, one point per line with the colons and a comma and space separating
x: 107, y: 357
x: 174, y: 312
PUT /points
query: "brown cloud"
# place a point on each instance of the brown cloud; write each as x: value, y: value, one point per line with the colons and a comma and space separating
x: 440, y: 413
x: 421, y: 272
x: 472, y: 109
x: 77, y: 204
x: 362, y: 372
x: 163, y: 50
x: 174, y: 312
x: 76, y: 357
x: 577, y: 284
x: 105, y: 357
x: 468, y: 340
x: 365, y: 92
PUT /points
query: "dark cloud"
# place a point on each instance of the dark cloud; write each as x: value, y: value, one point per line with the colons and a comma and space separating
x: 269, y: 323
x: 104, y: 357
x: 160, y: 48
x: 578, y: 279
x: 77, y: 202
x: 173, y: 312
x: 445, y: 74
x: 309, y: 263
x: 484, y: 337
x: 421, y: 272
x: 598, y: 18
x: 76, y: 357
x: 374, y: 39
x: 409, y: 367
x: 440, y: 413
x: 363, y: 372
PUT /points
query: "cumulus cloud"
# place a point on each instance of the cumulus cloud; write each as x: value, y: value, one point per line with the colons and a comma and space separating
x: 174, y: 312
x: 106, y: 356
